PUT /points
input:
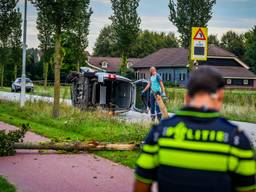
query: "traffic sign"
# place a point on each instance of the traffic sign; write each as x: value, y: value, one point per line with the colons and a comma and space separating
x: 199, y: 43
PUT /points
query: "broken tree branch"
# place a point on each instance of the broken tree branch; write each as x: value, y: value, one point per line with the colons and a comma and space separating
x: 76, y: 146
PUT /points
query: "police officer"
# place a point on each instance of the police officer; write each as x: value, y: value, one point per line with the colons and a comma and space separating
x: 156, y: 86
x: 197, y: 150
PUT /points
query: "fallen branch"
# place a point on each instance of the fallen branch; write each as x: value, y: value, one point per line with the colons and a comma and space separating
x: 76, y: 146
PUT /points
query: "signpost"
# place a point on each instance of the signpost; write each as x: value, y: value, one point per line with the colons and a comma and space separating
x: 199, y: 44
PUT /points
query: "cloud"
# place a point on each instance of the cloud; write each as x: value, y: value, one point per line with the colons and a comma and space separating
x: 231, y: 22
x: 218, y: 25
x: 157, y: 23
x: 103, y: 1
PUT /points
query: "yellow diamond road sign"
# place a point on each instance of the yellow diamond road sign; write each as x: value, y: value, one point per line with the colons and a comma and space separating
x: 199, y: 43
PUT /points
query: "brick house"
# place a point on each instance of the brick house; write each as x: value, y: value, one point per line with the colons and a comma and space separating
x: 109, y: 64
x: 172, y: 66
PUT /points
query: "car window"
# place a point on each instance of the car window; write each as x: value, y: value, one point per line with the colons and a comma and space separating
x: 18, y: 81
x: 28, y: 81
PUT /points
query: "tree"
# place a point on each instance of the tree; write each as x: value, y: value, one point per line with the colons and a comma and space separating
x: 213, y: 39
x: 15, y: 43
x: 45, y: 36
x: 146, y: 43
x: 187, y: 14
x: 8, y: 21
x: 126, y: 23
x: 106, y: 43
x: 233, y: 43
x: 63, y: 15
x: 81, y: 32
x: 250, y: 45
x: 149, y: 42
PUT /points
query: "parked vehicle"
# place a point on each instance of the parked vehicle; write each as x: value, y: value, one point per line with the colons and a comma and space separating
x: 16, y: 85
x: 91, y: 89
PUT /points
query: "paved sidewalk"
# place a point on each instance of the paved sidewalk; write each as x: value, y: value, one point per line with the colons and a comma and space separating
x: 32, y: 172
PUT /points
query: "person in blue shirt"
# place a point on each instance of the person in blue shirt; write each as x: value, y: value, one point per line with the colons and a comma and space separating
x: 197, y: 150
x: 156, y: 87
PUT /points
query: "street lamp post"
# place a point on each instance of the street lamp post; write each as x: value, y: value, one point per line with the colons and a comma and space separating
x: 23, y: 76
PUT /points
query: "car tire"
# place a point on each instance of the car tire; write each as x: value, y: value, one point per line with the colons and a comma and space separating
x: 80, y: 93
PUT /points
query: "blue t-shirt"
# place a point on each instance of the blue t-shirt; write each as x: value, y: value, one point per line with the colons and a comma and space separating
x: 155, y: 83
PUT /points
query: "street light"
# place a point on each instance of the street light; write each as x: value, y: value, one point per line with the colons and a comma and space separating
x: 23, y: 76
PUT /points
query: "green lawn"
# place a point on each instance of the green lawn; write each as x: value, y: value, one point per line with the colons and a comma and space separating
x: 5, y: 186
x: 239, y: 105
x: 5, y: 89
x: 48, y: 92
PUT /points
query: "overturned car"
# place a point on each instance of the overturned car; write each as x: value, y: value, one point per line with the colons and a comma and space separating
x: 91, y: 89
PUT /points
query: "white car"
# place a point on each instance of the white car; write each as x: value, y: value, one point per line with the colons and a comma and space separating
x: 109, y: 91
x: 16, y: 85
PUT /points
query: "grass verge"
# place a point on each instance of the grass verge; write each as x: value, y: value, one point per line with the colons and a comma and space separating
x: 73, y: 125
x: 48, y: 92
x: 5, y: 186
x: 239, y: 105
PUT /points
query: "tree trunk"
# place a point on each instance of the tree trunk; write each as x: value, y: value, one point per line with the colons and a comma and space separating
x: 0, y: 72
x: 46, y: 68
x: 76, y: 146
x: 2, y: 76
x: 56, y: 103
x: 78, y: 66
x: 15, y: 71
x: 123, y: 67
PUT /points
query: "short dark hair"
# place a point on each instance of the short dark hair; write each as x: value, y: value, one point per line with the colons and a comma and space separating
x: 205, y: 79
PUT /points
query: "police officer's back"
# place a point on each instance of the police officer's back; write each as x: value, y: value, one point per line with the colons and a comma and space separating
x: 197, y: 150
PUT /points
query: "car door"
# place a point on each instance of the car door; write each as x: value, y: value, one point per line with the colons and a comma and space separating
x: 141, y: 101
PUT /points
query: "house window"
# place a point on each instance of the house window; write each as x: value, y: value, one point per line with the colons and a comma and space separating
x: 229, y: 81
x: 104, y: 64
x: 163, y: 77
x: 170, y: 77
x: 182, y: 76
x: 246, y: 81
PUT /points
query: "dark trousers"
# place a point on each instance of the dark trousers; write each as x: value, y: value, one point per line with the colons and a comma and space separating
x: 154, y: 108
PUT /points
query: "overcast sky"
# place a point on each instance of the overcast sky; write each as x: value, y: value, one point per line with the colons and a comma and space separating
x: 236, y: 15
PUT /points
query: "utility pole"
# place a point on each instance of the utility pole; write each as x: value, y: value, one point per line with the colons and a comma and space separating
x: 23, y: 76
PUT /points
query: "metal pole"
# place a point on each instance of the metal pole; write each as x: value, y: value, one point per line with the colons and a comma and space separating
x: 23, y: 76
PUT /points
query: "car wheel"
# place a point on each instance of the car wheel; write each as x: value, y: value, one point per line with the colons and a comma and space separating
x: 80, y: 93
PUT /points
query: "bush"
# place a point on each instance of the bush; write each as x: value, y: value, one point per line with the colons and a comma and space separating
x: 7, y: 140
